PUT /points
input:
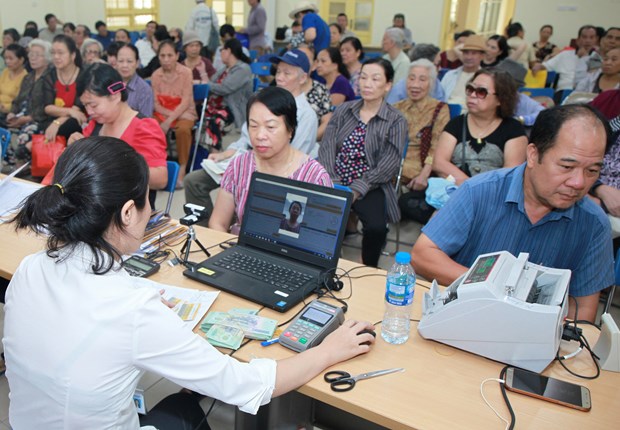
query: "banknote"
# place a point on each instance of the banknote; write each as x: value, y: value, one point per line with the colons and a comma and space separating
x: 254, y: 326
x: 225, y: 336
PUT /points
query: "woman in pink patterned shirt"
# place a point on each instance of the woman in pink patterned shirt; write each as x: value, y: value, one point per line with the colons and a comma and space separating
x: 272, y: 120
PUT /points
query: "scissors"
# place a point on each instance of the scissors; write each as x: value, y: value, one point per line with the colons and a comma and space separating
x: 343, y: 381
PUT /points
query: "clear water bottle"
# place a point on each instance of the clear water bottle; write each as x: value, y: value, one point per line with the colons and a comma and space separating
x: 398, y: 300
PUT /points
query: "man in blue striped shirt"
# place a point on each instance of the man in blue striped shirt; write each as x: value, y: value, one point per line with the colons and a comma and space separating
x: 537, y: 207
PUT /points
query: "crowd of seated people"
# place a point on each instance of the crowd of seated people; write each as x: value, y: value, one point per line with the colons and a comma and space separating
x: 39, y: 94
x: 530, y: 176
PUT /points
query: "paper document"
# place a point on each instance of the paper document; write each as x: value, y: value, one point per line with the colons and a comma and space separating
x: 13, y: 192
x: 215, y: 170
x: 190, y: 305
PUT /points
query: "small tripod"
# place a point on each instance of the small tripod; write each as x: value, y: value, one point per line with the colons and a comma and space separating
x: 191, y: 237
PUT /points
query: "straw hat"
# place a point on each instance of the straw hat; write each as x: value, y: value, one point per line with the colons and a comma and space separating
x: 304, y: 5
x: 475, y: 42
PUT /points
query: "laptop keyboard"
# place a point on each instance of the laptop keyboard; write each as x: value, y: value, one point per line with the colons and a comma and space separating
x: 281, y: 277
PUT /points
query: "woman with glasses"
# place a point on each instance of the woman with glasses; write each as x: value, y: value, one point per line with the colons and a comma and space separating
x: 92, y: 51
x: 21, y: 116
x: 487, y: 137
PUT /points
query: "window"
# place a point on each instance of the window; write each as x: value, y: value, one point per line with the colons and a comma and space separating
x: 359, y: 13
x: 230, y: 12
x: 130, y: 14
x: 488, y: 17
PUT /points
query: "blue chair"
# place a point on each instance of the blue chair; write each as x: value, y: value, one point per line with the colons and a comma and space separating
x: 455, y: 110
x: 260, y: 68
x: 565, y: 93
x: 134, y: 36
x: 369, y: 55
x: 612, y: 289
x: 5, y: 139
x: 173, y: 175
x: 551, y: 75
x: 253, y: 55
x: 201, y: 95
x: 537, y: 92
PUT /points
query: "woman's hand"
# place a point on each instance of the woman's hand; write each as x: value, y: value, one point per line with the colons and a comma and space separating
x: 345, y: 343
x: 165, y: 126
x: 51, y: 131
x: 78, y: 115
x: 419, y: 183
x: 202, y: 70
x: 74, y: 137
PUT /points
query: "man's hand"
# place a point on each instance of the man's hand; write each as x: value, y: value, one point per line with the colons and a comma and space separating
x: 610, y: 197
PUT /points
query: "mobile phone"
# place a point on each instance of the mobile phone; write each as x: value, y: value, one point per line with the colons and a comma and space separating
x: 549, y: 389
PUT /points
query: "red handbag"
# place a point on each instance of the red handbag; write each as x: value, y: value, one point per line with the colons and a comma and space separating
x: 45, y: 154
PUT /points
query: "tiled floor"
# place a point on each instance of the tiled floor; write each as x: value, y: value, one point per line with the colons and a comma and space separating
x: 222, y: 416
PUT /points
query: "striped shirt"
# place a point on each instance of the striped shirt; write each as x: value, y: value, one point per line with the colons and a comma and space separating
x: 386, y: 135
x: 487, y: 214
x: 238, y: 174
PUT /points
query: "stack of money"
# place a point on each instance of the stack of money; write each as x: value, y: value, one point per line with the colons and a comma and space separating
x: 251, y: 326
x: 225, y: 336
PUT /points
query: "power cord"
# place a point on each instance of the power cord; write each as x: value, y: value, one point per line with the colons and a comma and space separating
x: 501, y: 382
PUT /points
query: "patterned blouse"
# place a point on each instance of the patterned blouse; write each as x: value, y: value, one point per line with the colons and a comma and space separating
x: 236, y: 178
x: 319, y: 100
x: 610, y: 173
x: 351, y: 162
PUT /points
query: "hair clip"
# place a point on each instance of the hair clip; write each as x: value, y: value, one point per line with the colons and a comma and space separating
x: 116, y: 87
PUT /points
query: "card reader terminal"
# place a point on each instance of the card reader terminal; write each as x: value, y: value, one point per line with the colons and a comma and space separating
x: 316, y: 321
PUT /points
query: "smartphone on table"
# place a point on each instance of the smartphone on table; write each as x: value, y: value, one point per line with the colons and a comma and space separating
x: 549, y: 389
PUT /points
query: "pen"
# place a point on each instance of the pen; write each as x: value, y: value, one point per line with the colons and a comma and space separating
x: 270, y: 341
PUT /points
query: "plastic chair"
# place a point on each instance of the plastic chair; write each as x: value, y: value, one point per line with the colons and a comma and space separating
x: 551, y: 75
x: 260, y: 68
x: 398, y: 188
x: 442, y: 72
x: 455, y: 110
x: 369, y: 55
x: 564, y: 94
x: 5, y: 139
x: 538, y: 80
x: 253, y: 55
x: 201, y: 95
x: 173, y: 175
x: 537, y: 92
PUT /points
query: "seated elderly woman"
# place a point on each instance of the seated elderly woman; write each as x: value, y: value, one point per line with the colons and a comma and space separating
x: 92, y: 51
x: 174, y: 101
x: 362, y: 148
x: 486, y: 138
x: 605, y: 78
x: 272, y: 122
x: 20, y: 117
x: 139, y: 93
x: 426, y: 118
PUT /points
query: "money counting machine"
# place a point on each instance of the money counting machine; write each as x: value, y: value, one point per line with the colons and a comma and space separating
x: 503, y: 308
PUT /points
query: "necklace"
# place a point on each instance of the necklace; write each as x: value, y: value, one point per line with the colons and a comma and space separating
x: 283, y: 172
x: 65, y: 82
x: 483, y: 132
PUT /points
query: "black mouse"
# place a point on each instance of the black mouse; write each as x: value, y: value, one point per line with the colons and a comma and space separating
x: 366, y: 330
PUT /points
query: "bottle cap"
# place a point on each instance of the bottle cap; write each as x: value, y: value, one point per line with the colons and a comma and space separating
x: 403, y: 257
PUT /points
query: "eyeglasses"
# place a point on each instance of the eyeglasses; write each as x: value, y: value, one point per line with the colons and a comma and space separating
x: 480, y: 92
x: 93, y: 52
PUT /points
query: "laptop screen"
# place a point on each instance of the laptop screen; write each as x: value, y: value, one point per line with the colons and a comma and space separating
x: 294, y: 218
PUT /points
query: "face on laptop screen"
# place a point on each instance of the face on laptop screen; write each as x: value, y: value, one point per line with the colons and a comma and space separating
x: 295, y: 217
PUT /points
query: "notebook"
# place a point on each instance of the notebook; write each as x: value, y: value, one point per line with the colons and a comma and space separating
x: 288, y: 246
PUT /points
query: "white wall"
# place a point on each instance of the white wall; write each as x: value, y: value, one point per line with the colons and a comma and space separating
x: 423, y: 16
x: 16, y: 13
x: 566, y: 16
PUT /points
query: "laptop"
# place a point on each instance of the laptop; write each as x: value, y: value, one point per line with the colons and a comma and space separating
x: 288, y: 246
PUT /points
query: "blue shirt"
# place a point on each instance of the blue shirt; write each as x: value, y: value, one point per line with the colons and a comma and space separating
x: 529, y: 109
x: 487, y: 214
x: 105, y: 41
x: 312, y: 20
x: 399, y: 92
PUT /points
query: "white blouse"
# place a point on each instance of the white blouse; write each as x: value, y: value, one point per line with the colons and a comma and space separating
x: 77, y: 343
